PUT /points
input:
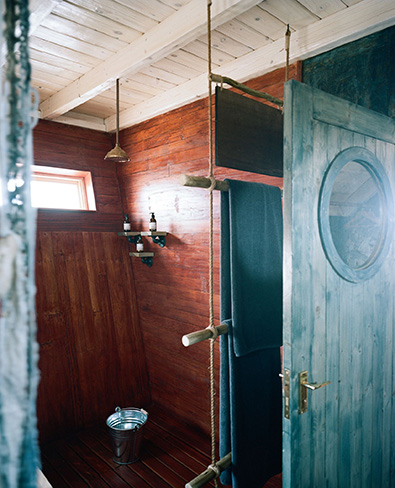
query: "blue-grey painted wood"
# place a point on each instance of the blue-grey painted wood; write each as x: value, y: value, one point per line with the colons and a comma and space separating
x: 337, y: 330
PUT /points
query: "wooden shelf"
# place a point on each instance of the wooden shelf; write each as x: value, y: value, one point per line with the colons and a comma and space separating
x: 142, y: 254
x: 142, y: 233
x: 158, y: 237
x: 129, y: 234
x: 150, y: 233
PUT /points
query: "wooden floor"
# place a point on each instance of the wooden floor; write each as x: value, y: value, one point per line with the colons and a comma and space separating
x: 170, y: 457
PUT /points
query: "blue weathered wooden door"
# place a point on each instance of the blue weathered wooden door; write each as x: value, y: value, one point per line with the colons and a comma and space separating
x: 339, y: 273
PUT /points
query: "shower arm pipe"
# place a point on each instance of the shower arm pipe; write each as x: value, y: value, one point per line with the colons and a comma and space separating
x: 203, y: 182
x: 211, y: 473
x: 202, y: 335
x: 239, y: 86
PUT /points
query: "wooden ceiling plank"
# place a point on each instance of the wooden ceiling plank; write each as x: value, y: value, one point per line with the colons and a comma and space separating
x: 323, y: 8
x: 171, y: 34
x: 126, y: 96
x: 154, y: 9
x: 172, y: 65
x: 290, y: 12
x: 227, y: 44
x: 349, y: 3
x: 263, y: 22
x: 163, y: 75
x: 136, y: 85
x: 156, y: 83
x: 57, y: 80
x: 199, y: 49
x: 53, y: 60
x: 89, y: 19
x: 175, y: 3
x: 244, y: 34
x: 366, y: 17
x: 52, y: 69
x: 83, y: 33
x: 77, y: 45
x: 185, y: 58
x: 63, y: 53
x: 118, y: 13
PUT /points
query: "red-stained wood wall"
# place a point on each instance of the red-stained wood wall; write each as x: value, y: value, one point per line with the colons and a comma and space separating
x: 172, y: 296
x: 91, y: 351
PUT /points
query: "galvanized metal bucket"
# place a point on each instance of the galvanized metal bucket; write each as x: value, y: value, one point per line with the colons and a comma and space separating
x: 126, y: 431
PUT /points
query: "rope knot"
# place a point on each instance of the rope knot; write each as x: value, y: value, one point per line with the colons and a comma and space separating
x: 216, y: 470
x: 213, y: 183
x: 214, y: 332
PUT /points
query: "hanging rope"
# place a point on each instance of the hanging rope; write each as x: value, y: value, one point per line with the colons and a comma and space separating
x: 211, y: 250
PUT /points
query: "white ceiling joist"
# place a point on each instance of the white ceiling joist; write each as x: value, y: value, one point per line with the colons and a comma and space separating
x: 364, y: 18
x: 83, y: 120
x: 185, y: 25
x: 40, y: 9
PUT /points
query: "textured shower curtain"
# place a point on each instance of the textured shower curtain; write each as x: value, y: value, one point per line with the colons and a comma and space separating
x: 19, y: 456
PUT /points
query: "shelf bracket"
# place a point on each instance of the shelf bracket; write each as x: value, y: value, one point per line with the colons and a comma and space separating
x: 148, y: 261
x: 160, y: 240
x: 133, y: 239
x: 157, y: 237
x: 146, y: 257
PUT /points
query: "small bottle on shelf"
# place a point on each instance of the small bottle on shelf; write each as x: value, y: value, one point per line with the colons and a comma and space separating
x: 126, y: 224
x: 152, y: 223
x: 139, y: 244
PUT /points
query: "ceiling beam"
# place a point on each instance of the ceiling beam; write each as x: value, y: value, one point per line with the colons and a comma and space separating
x: 82, y: 120
x: 360, y: 20
x: 39, y: 10
x: 182, y: 27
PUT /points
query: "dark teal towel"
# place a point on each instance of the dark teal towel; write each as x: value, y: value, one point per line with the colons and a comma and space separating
x: 250, y: 414
x: 251, y: 305
x: 254, y: 251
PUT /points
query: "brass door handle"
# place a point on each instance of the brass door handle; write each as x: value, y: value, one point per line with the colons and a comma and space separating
x: 315, y: 386
x: 303, y: 387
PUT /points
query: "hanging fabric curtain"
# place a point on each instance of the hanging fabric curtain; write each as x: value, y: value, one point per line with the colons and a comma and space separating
x: 19, y: 456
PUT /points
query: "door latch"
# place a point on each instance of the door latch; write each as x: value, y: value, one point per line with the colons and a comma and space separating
x: 303, y: 387
x: 286, y: 379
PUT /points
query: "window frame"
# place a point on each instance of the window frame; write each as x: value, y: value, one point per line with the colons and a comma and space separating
x: 82, y: 179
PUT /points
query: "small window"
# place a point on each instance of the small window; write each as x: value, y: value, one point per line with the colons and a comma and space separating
x: 62, y: 189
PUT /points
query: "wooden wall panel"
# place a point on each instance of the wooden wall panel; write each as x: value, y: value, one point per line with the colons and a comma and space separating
x: 173, y: 296
x: 92, y: 357
x: 91, y: 351
x: 70, y: 147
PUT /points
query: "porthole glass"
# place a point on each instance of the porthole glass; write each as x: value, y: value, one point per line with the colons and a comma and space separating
x: 355, y: 214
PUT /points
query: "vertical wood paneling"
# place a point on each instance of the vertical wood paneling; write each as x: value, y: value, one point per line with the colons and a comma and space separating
x: 173, y: 295
x: 333, y: 353
x: 318, y: 330
x: 92, y: 356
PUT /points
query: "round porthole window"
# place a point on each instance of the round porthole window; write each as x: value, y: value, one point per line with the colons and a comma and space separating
x: 355, y: 214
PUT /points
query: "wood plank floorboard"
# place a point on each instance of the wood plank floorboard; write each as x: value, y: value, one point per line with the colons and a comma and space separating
x: 170, y: 456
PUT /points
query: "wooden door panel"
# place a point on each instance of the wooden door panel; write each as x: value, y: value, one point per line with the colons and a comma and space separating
x: 335, y: 329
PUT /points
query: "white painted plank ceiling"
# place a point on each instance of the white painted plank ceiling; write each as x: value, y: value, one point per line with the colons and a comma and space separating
x: 158, y: 49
